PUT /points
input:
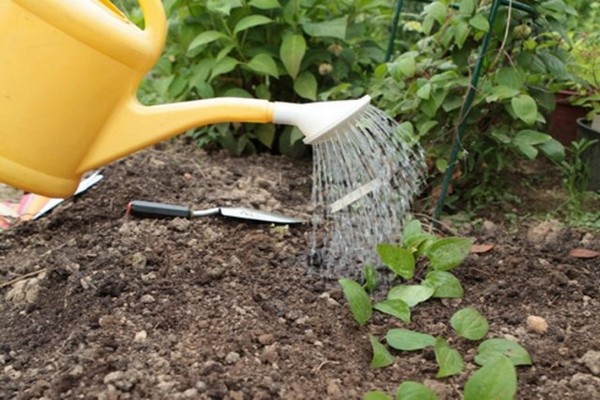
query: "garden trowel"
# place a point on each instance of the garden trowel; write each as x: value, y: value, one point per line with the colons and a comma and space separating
x: 151, y: 209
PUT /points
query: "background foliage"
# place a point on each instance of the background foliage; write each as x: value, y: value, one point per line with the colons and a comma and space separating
x: 307, y: 50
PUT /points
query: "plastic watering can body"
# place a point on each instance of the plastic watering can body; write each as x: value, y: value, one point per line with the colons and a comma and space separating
x: 69, y: 72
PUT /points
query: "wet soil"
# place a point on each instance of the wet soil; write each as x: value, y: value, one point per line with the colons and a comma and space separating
x: 97, y: 304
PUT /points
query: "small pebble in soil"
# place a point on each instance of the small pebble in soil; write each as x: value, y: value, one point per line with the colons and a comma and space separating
x: 140, y: 337
x: 266, y: 339
x: 147, y: 299
x: 537, y: 324
x: 591, y: 359
x: 333, y: 389
x: 232, y: 358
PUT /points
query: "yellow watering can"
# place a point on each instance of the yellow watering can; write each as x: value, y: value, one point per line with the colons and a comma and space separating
x: 69, y: 72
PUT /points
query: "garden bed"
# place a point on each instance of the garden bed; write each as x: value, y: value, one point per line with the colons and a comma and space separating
x: 215, y: 308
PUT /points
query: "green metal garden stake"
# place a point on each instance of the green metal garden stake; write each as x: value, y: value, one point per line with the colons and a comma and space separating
x: 465, y: 112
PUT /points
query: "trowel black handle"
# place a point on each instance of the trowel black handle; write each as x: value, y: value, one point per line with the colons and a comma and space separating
x: 142, y: 208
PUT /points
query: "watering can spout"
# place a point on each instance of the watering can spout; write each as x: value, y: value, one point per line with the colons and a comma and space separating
x: 136, y: 126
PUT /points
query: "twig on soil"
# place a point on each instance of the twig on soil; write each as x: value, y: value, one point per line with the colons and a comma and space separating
x: 318, y: 367
x: 435, y: 222
x: 22, y: 277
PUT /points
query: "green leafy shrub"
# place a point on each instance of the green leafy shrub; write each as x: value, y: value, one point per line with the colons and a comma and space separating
x: 426, y: 87
x: 284, y: 50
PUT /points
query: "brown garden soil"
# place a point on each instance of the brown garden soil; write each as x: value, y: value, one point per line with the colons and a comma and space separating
x: 109, y: 306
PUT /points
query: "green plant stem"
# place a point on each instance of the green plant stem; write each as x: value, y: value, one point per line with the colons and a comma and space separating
x: 456, y: 145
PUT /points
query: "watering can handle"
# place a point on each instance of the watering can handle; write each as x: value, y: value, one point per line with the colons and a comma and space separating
x: 156, y: 23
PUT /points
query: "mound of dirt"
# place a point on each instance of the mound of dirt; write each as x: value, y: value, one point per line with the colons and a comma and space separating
x: 95, y: 303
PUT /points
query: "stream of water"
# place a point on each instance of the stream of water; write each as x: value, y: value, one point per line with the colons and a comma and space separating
x: 364, y: 180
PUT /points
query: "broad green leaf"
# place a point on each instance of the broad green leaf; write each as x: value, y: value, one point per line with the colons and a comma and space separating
x: 291, y: 12
x: 424, y: 91
x: 445, y: 284
x: 161, y: 85
x: 204, y: 38
x: 449, y: 361
x: 404, y: 67
x: 527, y: 149
x: 528, y: 136
x: 407, y: 340
x: 525, y: 108
x: 204, y: 90
x: 251, y: 21
x: 227, y: 64
x: 396, y: 308
x: 293, y: 48
x: 265, y: 4
x: 398, y: 259
x: 441, y: 164
x: 432, y: 105
x: 461, y: 33
x: 412, y: 228
x: 223, y: 6
x: 305, y: 85
x: 490, y: 349
x: 177, y: 86
x: 263, y: 63
x: 410, y: 390
x: 358, y: 300
x: 437, y: 10
x: 501, y: 92
x: 201, y: 71
x: 370, y: 277
x: 224, y: 52
x: 335, y: 28
x: 427, y: 25
x: 480, y: 22
x: 500, y: 136
x: 376, y: 395
x: 453, y: 102
x: 405, y: 131
x: 555, y: 65
x: 263, y: 92
x: 510, y: 77
x: 470, y: 324
x: 494, y: 381
x: 237, y: 92
x: 381, y: 356
x: 467, y: 7
x: 448, y: 253
x: 553, y: 149
x: 411, y: 294
x: 426, y: 126
x: 265, y: 133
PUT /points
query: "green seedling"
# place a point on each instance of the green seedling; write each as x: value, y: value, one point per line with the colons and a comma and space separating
x: 445, y: 284
x: 407, y: 340
x: 449, y: 361
x: 470, y: 324
x: 411, y: 294
x: 491, y: 349
x: 358, y: 300
x: 396, y: 308
x: 494, y: 381
x: 381, y: 356
x: 410, y: 390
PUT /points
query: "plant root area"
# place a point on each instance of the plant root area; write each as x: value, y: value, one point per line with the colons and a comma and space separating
x: 99, y: 304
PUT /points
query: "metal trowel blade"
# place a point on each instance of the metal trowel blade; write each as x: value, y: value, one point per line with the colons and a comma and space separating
x: 257, y: 215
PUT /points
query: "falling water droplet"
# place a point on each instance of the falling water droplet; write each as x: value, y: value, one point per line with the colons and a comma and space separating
x: 364, y: 180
